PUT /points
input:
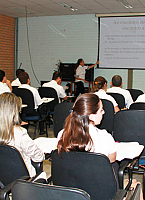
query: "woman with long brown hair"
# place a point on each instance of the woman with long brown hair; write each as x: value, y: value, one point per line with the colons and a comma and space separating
x: 80, y: 132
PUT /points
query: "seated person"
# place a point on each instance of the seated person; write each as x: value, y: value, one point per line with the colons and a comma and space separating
x: 25, y: 83
x: 116, y: 88
x: 100, y: 89
x: 11, y: 133
x: 16, y: 82
x: 141, y: 98
x: 5, y: 85
x: 56, y: 84
x: 80, y: 132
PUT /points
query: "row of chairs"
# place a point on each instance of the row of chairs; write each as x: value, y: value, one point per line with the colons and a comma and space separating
x: 119, y: 98
x: 43, y: 112
x: 86, y: 171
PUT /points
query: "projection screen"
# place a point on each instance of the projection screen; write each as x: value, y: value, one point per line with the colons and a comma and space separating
x: 122, y: 42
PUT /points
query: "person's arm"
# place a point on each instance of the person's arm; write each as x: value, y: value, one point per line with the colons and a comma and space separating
x: 112, y: 157
x: 65, y: 98
x: 81, y: 79
x: 94, y: 64
x: 31, y: 149
x: 9, y: 84
x: 116, y: 109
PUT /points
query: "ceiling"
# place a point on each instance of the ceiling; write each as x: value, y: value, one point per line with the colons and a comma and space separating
x: 35, y: 8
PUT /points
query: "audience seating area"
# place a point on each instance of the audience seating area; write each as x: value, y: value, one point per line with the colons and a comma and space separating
x: 75, y: 175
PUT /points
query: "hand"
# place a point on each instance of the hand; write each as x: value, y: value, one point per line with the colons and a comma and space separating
x: 85, y: 81
x: 8, y: 82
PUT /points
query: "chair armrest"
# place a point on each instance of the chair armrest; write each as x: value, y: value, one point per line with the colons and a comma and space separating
x: 47, y: 156
x: 129, y: 165
x: 7, y: 189
x: 43, y: 109
x: 120, y: 195
x: 49, y: 180
x: 38, y: 166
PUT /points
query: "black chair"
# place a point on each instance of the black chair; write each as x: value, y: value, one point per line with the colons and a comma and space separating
x: 49, y: 92
x: 61, y: 111
x: 84, y: 170
x: 135, y: 93
x: 12, y: 167
x: 108, y: 117
x: 119, y: 98
x: 22, y: 190
x: 13, y: 89
x: 29, y: 113
x: 137, y: 106
x: 129, y: 126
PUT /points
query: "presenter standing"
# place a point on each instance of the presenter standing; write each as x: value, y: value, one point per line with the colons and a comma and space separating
x: 80, y: 71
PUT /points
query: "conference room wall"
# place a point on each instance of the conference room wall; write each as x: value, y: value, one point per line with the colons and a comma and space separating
x: 7, y: 45
x: 64, y: 38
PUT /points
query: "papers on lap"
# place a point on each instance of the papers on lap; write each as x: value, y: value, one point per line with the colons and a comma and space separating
x: 128, y: 150
x: 46, y: 144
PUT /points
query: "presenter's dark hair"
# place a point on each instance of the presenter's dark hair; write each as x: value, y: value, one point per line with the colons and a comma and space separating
x: 116, y: 80
x: 19, y: 71
x: 23, y: 77
x: 76, y: 135
x: 2, y: 74
x: 77, y: 64
x: 56, y: 75
x: 99, y: 83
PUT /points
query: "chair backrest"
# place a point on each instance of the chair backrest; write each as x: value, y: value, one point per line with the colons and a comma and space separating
x: 129, y: 126
x: 61, y: 111
x: 13, y: 88
x: 49, y: 92
x: 27, y: 98
x: 135, y: 93
x: 22, y: 190
x: 84, y: 170
x: 108, y: 117
x: 12, y: 165
x: 119, y: 98
x: 137, y: 106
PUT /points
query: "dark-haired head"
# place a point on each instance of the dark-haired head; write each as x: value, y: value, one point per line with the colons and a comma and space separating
x: 23, y: 77
x: 19, y: 71
x: 2, y: 75
x: 99, y: 83
x: 79, y: 62
x: 116, y: 81
x: 76, y: 135
x: 56, y: 75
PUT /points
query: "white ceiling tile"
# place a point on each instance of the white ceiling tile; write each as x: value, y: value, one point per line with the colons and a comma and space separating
x: 53, y: 8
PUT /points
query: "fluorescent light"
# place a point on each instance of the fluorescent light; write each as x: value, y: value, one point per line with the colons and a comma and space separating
x: 68, y: 6
x: 125, y: 3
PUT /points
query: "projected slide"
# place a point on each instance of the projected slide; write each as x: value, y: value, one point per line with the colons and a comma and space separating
x: 122, y: 42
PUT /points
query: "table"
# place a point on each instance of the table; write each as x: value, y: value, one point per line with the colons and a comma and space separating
x: 73, y: 87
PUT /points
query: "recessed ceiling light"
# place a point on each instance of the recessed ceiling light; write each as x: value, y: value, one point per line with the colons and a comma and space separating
x: 125, y: 3
x: 68, y: 6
